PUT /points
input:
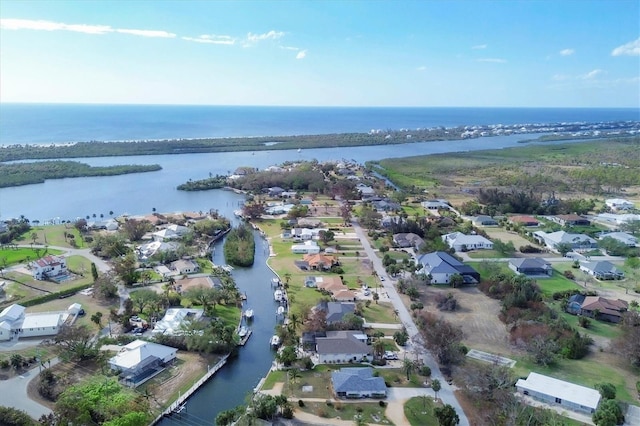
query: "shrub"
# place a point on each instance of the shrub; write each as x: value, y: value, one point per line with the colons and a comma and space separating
x: 529, y: 249
x: 329, y: 403
x: 287, y: 412
x: 584, y: 322
x: 569, y: 274
x: 382, y: 403
x: 425, y: 371
x: 300, y: 403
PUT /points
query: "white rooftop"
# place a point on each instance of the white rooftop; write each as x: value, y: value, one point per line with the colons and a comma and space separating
x: 581, y: 395
x: 42, y: 320
x: 137, y: 351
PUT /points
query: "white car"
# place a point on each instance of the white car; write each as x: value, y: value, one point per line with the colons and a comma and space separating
x: 389, y: 355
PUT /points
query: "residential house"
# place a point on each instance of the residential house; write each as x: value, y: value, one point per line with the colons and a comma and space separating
x: 278, y: 209
x: 461, y: 242
x: 317, y: 262
x: 531, y: 267
x: 441, y: 266
x: 16, y: 323
x: 558, y: 392
x: 524, y: 220
x: 344, y: 346
x: 386, y: 206
x: 483, y: 220
x: 308, y: 247
x: 354, y: 382
x: 334, y: 286
x: 618, y: 219
x: 623, y: 237
x: 185, y: 266
x: 365, y: 190
x: 578, y: 242
x: 275, y: 191
x: 139, y: 361
x: 570, y: 220
x: 618, y: 204
x: 574, y: 304
x: 603, y: 309
x: 48, y: 267
x: 108, y: 225
x: 173, y: 320
x: 435, y: 204
x: 407, y: 239
x: 208, y: 282
x: 336, y: 310
x: 171, y: 232
x: 602, y: 270
x: 146, y: 251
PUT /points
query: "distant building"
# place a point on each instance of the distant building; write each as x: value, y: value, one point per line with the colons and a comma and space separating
x: 524, y: 220
x: 578, y: 242
x: 484, y: 221
x: 571, y: 220
x: 531, y: 267
x: 623, y: 237
x: 618, y: 204
x: 461, y: 242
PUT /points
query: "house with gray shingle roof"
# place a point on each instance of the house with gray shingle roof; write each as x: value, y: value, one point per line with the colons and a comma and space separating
x: 531, y: 267
x: 602, y: 270
x: 623, y: 237
x: 358, y: 383
x: 576, y: 241
x: 336, y: 310
x: 441, y: 266
x: 342, y: 347
x: 461, y: 242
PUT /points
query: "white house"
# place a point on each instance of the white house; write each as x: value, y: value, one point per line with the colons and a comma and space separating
x: 146, y: 251
x: 618, y: 219
x: 174, y: 318
x: 619, y: 204
x: 16, y: 323
x: 171, y: 232
x: 577, y: 242
x: 343, y: 346
x: 48, y: 266
x: 435, y: 204
x: 185, y: 266
x: 558, y: 392
x: 461, y: 242
x: 139, y: 360
x: 308, y: 247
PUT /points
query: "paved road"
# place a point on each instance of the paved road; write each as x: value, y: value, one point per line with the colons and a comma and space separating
x: 14, y: 393
x: 446, y: 393
x: 85, y: 252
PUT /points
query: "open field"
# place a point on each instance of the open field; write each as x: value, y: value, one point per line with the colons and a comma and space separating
x: 10, y: 257
x: 506, y: 236
x: 52, y: 235
x: 419, y: 411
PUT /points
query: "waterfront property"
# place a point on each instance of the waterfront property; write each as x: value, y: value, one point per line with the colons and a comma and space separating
x: 342, y: 347
x: 357, y: 382
x: 308, y: 247
x: 531, y: 267
x: 461, y: 242
x: 173, y: 319
x: 558, y: 392
x: 138, y: 361
x: 334, y: 286
x: 441, y: 266
x: 185, y: 266
x: 336, y: 310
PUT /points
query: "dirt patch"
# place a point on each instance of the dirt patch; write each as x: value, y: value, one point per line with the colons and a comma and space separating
x: 506, y: 236
x: 477, y: 314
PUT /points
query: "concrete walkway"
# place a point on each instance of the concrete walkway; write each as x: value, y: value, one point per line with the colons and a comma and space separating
x: 446, y: 394
x: 14, y: 393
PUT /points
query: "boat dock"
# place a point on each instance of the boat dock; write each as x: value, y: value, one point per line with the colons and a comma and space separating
x: 245, y: 338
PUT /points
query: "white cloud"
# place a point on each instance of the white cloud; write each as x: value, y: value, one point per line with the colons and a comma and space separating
x: 212, y: 39
x: 591, y: 74
x: 567, y: 52
x: 479, y: 46
x: 29, y: 24
x: 629, y: 49
x: 494, y: 60
x: 301, y: 54
x: 148, y: 33
x: 290, y: 48
x: 422, y: 68
x: 271, y: 35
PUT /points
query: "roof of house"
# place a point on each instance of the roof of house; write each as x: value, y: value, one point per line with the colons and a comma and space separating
x: 408, y: 239
x: 173, y: 319
x: 484, y: 218
x: 566, y: 391
x: 183, y: 263
x: 605, y: 306
x: 12, y: 312
x: 570, y: 217
x: 530, y: 263
x: 458, y: 238
x: 317, y: 259
x: 336, y: 310
x: 440, y: 262
x: 138, y: 351
x: 43, y: 320
x: 601, y: 267
x: 342, y: 342
x: 565, y: 237
x: 357, y: 379
x: 49, y: 260
x: 621, y: 236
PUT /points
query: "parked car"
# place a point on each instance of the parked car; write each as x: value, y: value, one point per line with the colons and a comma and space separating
x: 381, y: 278
x: 389, y: 355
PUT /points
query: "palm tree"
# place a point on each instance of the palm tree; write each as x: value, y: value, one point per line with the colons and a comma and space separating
x: 287, y: 279
x: 294, y: 374
x: 395, y: 313
x: 436, y: 386
x: 408, y: 366
x: 378, y: 349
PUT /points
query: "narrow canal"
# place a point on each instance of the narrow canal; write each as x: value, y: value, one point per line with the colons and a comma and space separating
x: 230, y: 386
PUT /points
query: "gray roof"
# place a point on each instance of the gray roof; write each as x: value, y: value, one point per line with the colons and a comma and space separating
x: 337, y: 310
x: 530, y: 263
x: 602, y: 267
x: 440, y: 262
x: 342, y: 342
x: 357, y: 380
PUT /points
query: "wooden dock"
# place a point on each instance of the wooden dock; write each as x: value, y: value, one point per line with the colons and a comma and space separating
x: 243, y: 340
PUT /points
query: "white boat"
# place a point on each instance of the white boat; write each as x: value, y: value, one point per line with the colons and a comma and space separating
x: 299, y: 149
x: 248, y: 314
x: 278, y: 295
x: 242, y: 331
x: 275, y: 341
x: 280, y: 310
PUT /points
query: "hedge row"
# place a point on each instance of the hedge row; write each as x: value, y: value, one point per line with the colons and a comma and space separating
x: 57, y: 295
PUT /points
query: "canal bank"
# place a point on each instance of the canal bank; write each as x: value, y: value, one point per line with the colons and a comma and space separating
x: 241, y: 374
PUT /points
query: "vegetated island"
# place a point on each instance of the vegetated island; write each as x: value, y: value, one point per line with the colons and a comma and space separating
x: 17, y: 174
x: 374, y: 137
x: 212, y: 182
x: 240, y: 246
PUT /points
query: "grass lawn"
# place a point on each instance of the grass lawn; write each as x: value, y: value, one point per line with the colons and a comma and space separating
x: 52, y: 235
x: 370, y: 412
x: 556, y: 282
x: 274, y: 376
x: 394, y: 377
x: 10, y: 257
x: 486, y: 254
x: 597, y: 328
x: 397, y: 255
x: 419, y: 411
x: 89, y: 304
x: 382, y: 313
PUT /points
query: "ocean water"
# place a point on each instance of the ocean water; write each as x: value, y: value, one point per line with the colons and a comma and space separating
x: 59, y: 123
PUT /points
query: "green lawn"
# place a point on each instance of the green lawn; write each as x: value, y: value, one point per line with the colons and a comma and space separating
x: 395, y: 377
x: 556, y: 282
x: 274, y: 376
x: 419, y: 411
x: 52, y: 235
x: 381, y: 312
x: 486, y: 254
x: 597, y: 328
x: 9, y: 257
x: 369, y: 412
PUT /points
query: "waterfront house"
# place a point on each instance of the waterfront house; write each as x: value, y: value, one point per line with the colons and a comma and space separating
x: 146, y: 251
x: 441, y: 266
x: 558, y: 392
x: 139, y: 361
x: 171, y: 232
x: 531, y: 267
x: 461, y: 242
x: 173, y: 319
x: 48, y: 267
x: 602, y: 270
x: 357, y: 382
x: 344, y: 346
x: 308, y: 247
x: 185, y: 266
x: 319, y: 261
x: 335, y: 311
x: 334, y: 286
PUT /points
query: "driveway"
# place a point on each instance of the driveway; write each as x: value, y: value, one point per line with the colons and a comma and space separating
x: 14, y: 393
x: 446, y: 393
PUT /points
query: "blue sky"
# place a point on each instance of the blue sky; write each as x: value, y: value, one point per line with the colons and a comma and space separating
x: 543, y: 53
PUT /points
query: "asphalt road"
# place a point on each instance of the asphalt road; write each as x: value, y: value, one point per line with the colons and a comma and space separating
x: 14, y: 393
x: 446, y: 393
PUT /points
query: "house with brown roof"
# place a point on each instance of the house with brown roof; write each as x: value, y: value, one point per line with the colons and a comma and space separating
x: 336, y: 288
x: 48, y: 267
x: 319, y: 261
x: 604, y: 309
x: 524, y: 220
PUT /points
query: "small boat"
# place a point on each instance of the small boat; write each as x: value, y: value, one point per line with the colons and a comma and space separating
x: 278, y: 295
x: 299, y: 149
x: 275, y: 341
x: 280, y: 310
x: 248, y: 314
x: 242, y: 331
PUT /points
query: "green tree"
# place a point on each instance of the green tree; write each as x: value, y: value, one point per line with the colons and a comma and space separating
x: 10, y: 416
x: 608, y: 413
x: 143, y: 298
x: 456, y: 280
x: 563, y: 248
x: 446, y: 415
x: 607, y: 390
x: 77, y: 342
x: 125, y: 268
x: 326, y: 236
x: 94, y: 271
x: 293, y: 374
x: 408, y: 367
x: 436, y: 386
x: 97, y: 319
x: 287, y: 355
